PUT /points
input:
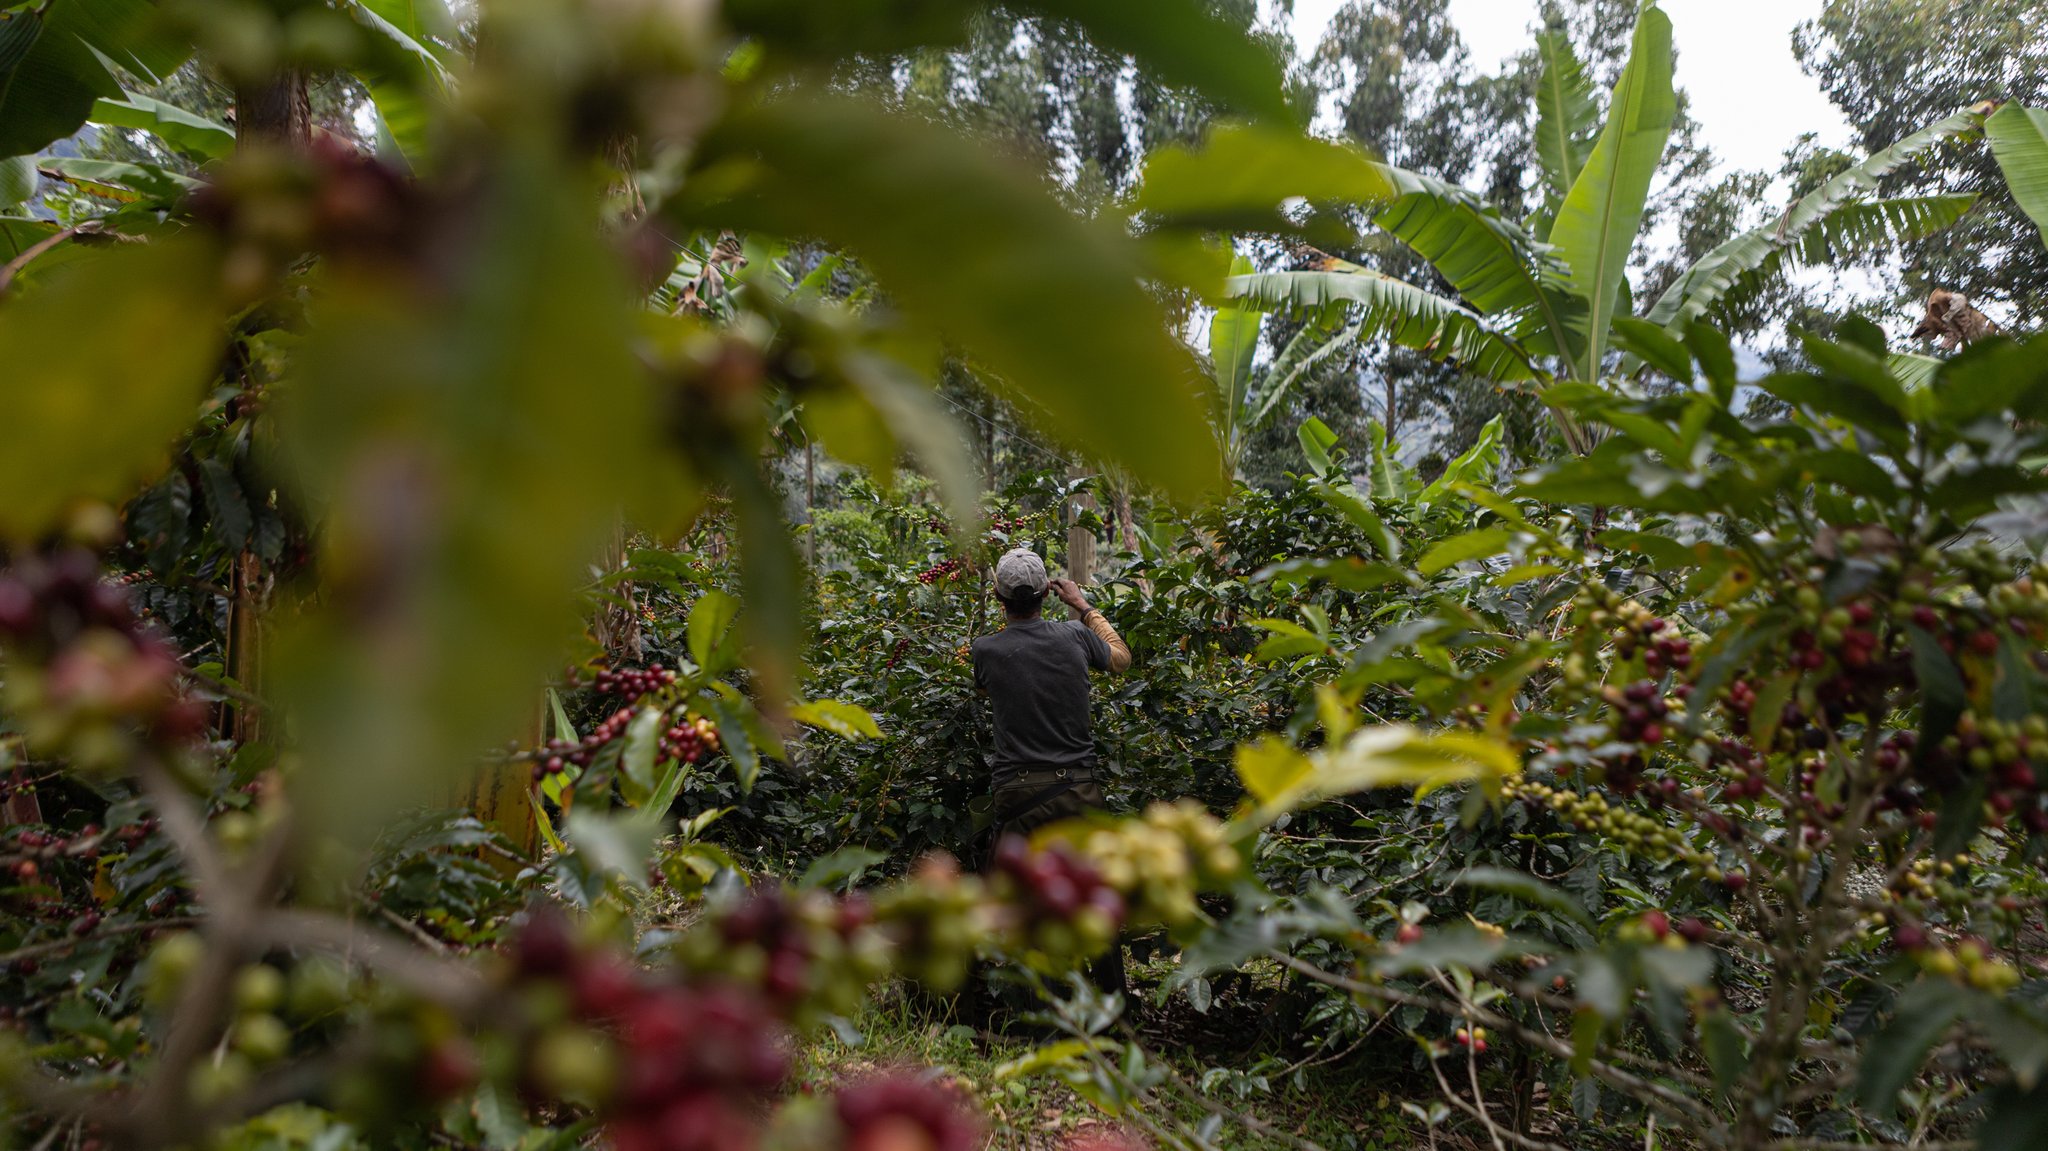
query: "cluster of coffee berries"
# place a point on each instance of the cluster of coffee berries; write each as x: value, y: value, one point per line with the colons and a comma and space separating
x: 1473, y: 1037
x: 2011, y: 757
x: 1666, y: 649
x: 902, y: 1112
x: 933, y: 921
x: 271, y: 1007
x: 87, y: 681
x: 944, y: 569
x: 896, y: 652
x: 1969, y: 960
x: 562, y: 754
x: 1741, y: 765
x: 632, y: 683
x: 805, y: 951
x: 274, y: 206
x: 667, y: 1066
x: 1162, y: 860
x: 1007, y: 524
x: 1590, y: 811
x: 1061, y: 905
x: 690, y: 740
x: 1654, y: 927
x: 1641, y: 710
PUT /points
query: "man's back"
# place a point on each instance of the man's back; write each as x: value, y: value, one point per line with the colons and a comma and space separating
x: 1036, y: 675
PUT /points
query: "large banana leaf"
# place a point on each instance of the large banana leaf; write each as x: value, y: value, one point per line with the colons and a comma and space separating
x: 962, y: 241
x: 1309, y: 347
x: 18, y: 180
x: 51, y: 67
x: 1597, y: 223
x: 1498, y: 269
x: 1233, y: 344
x: 2019, y: 138
x: 1566, y: 115
x: 189, y: 133
x: 406, y: 74
x: 1716, y: 273
x: 1410, y: 316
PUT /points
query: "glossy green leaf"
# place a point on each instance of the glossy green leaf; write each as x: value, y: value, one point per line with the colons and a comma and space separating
x: 636, y: 757
x: 2019, y: 139
x: 1347, y: 502
x: 1654, y: 346
x: 1316, y: 440
x: 18, y: 180
x: 847, y: 720
x: 56, y: 73
x: 189, y: 133
x: 617, y: 844
x: 1288, y: 641
x: 709, y: 629
x: 405, y: 75
x: 1482, y: 544
x: 842, y: 867
x: 120, y: 180
x: 1241, y: 175
x: 1528, y: 889
x: 1566, y: 113
x: 1478, y: 465
x: 1233, y: 345
x: 1597, y: 223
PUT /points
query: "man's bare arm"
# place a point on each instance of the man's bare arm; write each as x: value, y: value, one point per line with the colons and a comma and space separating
x: 1095, y: 621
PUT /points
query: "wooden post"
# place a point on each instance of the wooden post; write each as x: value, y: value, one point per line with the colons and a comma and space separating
x: 1080, y: 537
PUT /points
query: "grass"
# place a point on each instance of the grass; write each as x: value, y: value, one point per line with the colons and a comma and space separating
x: 1182, y: 1054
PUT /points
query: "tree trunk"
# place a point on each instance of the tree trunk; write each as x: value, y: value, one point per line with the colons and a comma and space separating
x: 276, y: 113
x: 1080, y: 537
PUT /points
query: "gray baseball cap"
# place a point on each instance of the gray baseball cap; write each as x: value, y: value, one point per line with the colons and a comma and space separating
x: 1020, y: 572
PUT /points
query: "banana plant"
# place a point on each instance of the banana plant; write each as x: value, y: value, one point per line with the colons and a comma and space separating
x: 2019, y: 139
x: 1537, y: 303
x: 1247, y: 399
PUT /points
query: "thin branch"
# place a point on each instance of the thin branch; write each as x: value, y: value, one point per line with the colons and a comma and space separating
x: 57, y: 946
x: 14, y: 266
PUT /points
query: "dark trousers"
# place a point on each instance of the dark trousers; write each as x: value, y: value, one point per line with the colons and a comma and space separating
x: 1106, y: 971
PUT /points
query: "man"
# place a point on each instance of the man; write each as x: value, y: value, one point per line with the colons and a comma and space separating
x: 1035, y: 673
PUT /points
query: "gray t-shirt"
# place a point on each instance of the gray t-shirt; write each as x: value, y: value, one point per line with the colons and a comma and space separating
x: 1036, y: 675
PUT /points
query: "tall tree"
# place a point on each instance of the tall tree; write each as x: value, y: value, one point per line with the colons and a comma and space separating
x: 1893, y: 65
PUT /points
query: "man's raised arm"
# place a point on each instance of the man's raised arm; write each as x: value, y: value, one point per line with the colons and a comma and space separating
x: 1093, y: 619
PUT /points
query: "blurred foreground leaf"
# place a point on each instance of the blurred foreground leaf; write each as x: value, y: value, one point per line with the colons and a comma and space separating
x: 470, y: 443
x: 104, y: 370
x: 1049, y: 302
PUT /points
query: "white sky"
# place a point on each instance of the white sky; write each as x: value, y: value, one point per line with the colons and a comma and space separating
x: 1734, y: 58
